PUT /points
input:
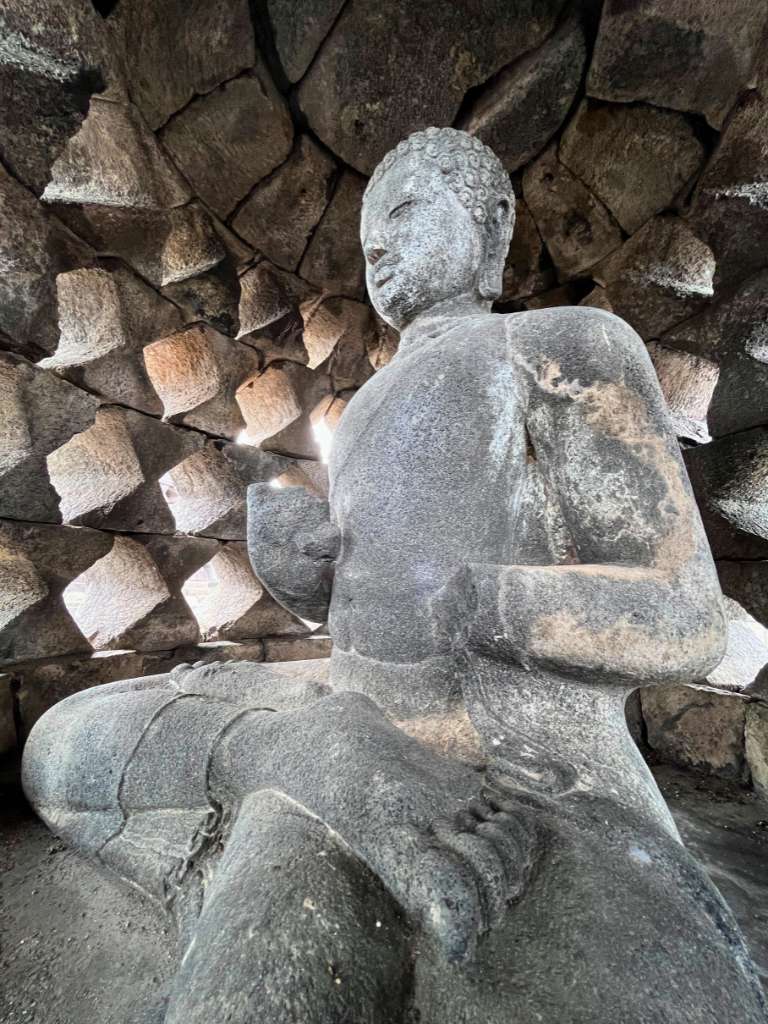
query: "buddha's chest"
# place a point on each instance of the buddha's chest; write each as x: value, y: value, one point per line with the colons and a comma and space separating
x: 435, y: 441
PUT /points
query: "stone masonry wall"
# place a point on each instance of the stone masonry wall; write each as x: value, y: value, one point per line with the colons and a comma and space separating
x: 182, y: 304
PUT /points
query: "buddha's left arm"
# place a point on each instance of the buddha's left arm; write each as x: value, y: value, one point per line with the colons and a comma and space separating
x: 641, y: 601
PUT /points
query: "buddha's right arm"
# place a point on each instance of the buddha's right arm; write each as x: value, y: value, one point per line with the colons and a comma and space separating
x: 293, y: 545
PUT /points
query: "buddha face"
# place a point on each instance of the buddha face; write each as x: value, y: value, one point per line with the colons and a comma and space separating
x: 421, y: 244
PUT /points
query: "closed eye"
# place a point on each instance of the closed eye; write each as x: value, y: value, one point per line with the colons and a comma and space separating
x: 397, y: 210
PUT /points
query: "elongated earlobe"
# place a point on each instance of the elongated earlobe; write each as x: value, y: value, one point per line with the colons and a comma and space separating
x: 498, y: 235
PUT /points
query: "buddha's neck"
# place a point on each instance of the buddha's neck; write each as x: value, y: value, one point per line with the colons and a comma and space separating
x: 468, y: 304
x: 563, y: 738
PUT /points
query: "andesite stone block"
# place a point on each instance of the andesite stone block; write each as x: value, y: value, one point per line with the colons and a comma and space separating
x: 115, y: 160
x: 39, y: 413
x: 107, y: 315
x: 38, y: 562
x: 520, y: 111
x: 636, y: 159
x: 299, y: 28
x: 231, y: 138
x: 333, y: 261
x: 687, y: 383
x: 747, y: 583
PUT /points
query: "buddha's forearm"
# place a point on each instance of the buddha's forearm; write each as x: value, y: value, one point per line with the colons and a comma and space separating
x: 606, y: 621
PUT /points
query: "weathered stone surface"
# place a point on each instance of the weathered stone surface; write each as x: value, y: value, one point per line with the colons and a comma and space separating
x: 661, y: 276
x: 300, y: 649
x: 231, y: 138
x: 383, y: 343
x: 196, y: 373
x: 527, y: 269
x: 213, y: 297
x: 597, y: 299
x: 206, y: 491
x: 687, y: 383
x: 37, y: 564
x: 237, y: 607
x: 577, y: 228
x: 34, y: 247
x: 108, y: 476
x: 38, y: 413
x: 131, y: 598
x: 279, y: 215
x: 691, y: 57
x: 333, y: 260
x: 114, y: 160
x: 729, y: 477
x: 565, y: 295
x: 527, y: 102
x: 697, y: 727
x: 299, y: 28
x: 747, y: 583
x: 423, y: 79
x: 181, y: 48
x: 746, y: 654
x: 269, y: 296
x: 107, y: 316
x: 732, y: 333
x: 730, y: 204
x: 276, y: 406
x: 756, y: 745
x: 342, y: 328
x: 52, y: 61
x: 292, y: 546
x: 162, y: 245
x: 635, y: 159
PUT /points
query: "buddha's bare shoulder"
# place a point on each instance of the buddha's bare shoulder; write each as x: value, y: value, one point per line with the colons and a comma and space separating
x: 577, y: 343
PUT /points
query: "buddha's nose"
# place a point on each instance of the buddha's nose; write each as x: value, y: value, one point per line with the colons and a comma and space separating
x: 373, y: 254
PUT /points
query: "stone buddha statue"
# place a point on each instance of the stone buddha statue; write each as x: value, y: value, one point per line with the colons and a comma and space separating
x: 449, y: 822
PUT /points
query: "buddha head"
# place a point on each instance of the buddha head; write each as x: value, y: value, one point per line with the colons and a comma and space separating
x: 436, y: 225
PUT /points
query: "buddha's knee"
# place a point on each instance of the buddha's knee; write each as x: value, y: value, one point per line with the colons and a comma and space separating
x: 76, y: 754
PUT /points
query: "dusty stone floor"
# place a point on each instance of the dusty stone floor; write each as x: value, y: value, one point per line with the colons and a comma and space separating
x: 78, y: 948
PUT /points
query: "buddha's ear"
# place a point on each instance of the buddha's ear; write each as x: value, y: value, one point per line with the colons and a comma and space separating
x: 498, y: 231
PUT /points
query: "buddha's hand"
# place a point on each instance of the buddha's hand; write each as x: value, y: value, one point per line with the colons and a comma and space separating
x: 465, y: 613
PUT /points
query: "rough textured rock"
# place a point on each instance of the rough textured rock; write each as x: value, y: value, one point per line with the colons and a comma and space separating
x: 299, y: 28
x: 38, y: 413
x: 269, y: 296
x: 362, y: 95
x: 114, y: 160
x: 34, y: 248
x: 729, y: 477
x: 693, y: 57
x: 280, y: 214
x: 746, y: 653
x: 108, y: 476
x: 342, y: 328
x: 196, y: 373
x: 732, y: 333
x: 527, y: 102
x: 383, y: 343
x: 527, y: 269
x: 756, y: 745
x: 333, y: 260
x: 687, y: 383
x: 178, y: 49
x: 577, y: 228
x: 697, y: 727
x: 37, y: 564
x: 107, y: 316
x: 309, y: 648
x: 213, y: 297
x: 52, y: 61
x: 132, y: 598
x: 238, y: 607
x: 8, y: 737
x: 747, y: 583
x: 206, y: 491
x: 231, y: 138
x: 635, y: 159
x: 661, y: 276
x: 730, y: 204
x: 276, y: 406
x: 162, y: 245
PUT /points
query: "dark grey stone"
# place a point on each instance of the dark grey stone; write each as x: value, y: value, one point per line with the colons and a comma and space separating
x: 515, y: 548
x: 299, y: 27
